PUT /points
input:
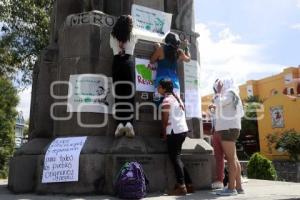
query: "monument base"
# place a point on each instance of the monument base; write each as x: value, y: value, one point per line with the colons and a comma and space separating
x: 100, y: 161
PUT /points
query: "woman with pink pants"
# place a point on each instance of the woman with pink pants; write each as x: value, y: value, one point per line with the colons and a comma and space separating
x: 218, y: 152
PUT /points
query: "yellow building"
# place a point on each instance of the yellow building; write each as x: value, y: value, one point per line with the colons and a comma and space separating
x: 279, y: 113
x: 266, y: 87
x: 281, y: 98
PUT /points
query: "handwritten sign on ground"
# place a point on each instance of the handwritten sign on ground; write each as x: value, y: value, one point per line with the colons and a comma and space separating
x: 192, y: 89
x: 62, y: 160
x: 90, y: 93
x: 144, y: 76
x: 150, y: 24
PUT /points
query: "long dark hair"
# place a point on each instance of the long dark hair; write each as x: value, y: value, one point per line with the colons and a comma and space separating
x: 172, y: 44
x: 214, y: 88
x: 122, y: 29
x: 167, y: 85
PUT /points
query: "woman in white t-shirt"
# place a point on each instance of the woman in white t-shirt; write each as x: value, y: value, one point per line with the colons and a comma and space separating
x: 229, y: 111
x: 174, y: 132
x: 122, y: 42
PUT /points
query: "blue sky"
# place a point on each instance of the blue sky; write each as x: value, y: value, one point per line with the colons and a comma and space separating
x: 244, y: 39
x: 247, y: 39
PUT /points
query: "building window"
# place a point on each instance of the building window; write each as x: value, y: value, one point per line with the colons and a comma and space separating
x: 288, y: 91
x: 274, y: 92
x: 285, y: 91
x: 291, y: 91
x: 288, y: 78
x: 249, y: 90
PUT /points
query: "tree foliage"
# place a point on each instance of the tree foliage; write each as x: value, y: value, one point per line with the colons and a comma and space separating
x: 290, y: 141
x: 287, y: 141
x: 249, y: 121
x: 252, y: 103
x: 8, y: 103
x: 249, y: 132
x: 24, y: 26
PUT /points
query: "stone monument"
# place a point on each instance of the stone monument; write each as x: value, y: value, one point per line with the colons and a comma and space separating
x: 79, y: 44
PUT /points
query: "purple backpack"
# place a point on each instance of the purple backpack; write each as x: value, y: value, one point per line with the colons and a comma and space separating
x: 131, y: 181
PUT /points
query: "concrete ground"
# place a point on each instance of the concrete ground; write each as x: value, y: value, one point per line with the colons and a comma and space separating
x: 255, y: 190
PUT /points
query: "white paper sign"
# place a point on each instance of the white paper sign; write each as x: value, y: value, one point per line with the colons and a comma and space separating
x: 144, y: 76
x: 62, y: 160
x: 150, y: 24
x: 192, y: 89
x: 90, y: 93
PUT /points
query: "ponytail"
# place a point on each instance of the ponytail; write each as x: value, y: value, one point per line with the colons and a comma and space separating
x: 178, y: 100
x: 171, y: 49
x: 167, y: 84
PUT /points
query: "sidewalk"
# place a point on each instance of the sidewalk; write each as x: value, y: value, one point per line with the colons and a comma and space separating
x: 255, y: 190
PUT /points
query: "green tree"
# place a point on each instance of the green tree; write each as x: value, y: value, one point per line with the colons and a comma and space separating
x: 290, y: 141
x: 249, y: 121
x: 8, y: 103
x: 252, y: 104
x: 24, y: 33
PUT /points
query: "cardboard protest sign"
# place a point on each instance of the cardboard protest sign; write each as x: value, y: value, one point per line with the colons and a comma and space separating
x: 150, y: 24
x: 61, y: 162
x: 144, y: 76
x: 192, y: 89
x: 90, y: 93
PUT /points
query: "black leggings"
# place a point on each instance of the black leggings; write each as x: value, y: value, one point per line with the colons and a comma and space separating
x: 123, y: 71
x: 174, y: 142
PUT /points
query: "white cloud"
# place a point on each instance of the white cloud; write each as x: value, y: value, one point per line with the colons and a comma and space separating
x: 227, y: 56
x: 216, y: 24
x: 24, y: 103
x: 226, y: 36
x: 295, y: 26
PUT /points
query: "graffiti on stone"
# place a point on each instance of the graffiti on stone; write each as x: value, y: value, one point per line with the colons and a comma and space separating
x: 93, y: 17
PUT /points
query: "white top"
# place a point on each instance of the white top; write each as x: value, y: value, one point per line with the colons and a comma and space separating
x: 128, y: 46
x: 227, y: 115
x: 176, y: 121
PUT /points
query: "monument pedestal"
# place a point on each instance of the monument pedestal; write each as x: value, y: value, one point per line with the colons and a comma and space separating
x: 101, y: 159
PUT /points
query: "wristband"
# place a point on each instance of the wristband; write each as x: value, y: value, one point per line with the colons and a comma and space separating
x: 186, y: 50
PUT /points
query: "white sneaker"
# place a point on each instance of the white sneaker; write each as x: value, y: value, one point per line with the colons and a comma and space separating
x: 244, y: 180
x: 227, y: 192
x: 217, y: 185
x: 119, y: 130
x: 129, y: 130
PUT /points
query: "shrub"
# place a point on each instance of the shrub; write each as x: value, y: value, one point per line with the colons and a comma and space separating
x: 290, y: 141
x: 259, y: 167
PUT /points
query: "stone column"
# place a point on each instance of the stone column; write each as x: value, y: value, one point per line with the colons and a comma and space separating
x: 63, y: 8
x: 41, y: 123
x: 183, y: 14
x: 83, y: 49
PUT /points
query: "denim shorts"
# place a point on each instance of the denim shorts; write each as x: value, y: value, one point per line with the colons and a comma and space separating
x: 230, y: 134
